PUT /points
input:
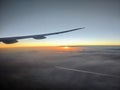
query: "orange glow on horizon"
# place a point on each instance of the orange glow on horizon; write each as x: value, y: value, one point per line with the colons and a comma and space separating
x: 66, y: 45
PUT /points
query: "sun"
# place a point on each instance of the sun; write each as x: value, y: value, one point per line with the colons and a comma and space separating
x: 66, y: 47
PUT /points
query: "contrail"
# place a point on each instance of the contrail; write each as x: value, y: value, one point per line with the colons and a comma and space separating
x: 89, y: 72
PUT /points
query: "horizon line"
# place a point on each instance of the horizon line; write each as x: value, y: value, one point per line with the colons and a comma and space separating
x: 54, y: 46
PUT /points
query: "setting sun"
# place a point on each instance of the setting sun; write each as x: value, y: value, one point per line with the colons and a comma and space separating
x: 66, y: 47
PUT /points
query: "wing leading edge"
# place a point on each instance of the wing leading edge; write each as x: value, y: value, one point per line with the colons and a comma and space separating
x: 10, y: 40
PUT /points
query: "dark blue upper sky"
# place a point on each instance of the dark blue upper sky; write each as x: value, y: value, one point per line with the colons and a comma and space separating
x: 25, y: 17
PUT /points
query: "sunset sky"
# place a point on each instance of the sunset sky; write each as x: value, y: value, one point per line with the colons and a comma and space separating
x: 28, y: 17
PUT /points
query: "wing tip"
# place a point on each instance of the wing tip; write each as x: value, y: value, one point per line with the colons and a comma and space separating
x: 79, y: 28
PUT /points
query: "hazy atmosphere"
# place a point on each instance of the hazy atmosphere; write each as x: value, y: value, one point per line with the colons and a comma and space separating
x: 78, y: 68
x: 26, y: 17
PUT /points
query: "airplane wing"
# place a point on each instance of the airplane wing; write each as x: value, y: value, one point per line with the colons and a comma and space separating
x: 10, y: 40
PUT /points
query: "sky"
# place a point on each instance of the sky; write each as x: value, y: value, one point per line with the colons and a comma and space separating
x: 28, y: 17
